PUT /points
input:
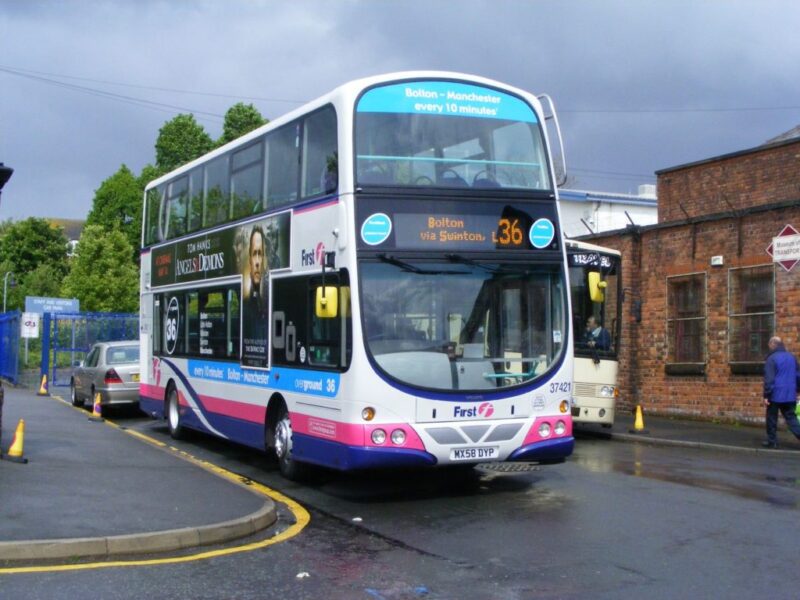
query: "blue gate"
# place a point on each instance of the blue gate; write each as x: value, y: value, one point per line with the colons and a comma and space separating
x: 69, y: 336
x: 9, y: 345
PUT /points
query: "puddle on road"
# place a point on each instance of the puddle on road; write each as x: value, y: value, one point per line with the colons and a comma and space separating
x: 774, y: 490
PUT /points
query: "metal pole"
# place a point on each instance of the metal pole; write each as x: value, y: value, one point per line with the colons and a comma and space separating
x: 5, y: 287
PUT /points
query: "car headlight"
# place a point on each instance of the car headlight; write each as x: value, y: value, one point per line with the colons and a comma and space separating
x: 544, y: 430
x: 378, y: 436
x: 607, y: 391
x: 561, y: 427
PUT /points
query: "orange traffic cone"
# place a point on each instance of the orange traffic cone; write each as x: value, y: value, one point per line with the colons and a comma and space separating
x: 15, y: 451
x: 43, y: 387
x: 97, y: 409
x: 638, y: 424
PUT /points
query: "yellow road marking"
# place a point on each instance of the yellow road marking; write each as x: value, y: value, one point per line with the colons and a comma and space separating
x: 301, y: 516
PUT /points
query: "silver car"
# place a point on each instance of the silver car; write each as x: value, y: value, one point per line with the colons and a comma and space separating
x: 110, y: 368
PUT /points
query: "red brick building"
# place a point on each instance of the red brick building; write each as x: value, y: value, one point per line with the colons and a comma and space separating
x: 703, y: 295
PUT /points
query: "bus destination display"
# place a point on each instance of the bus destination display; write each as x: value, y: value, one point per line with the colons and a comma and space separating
x: 484, y: 227
x: 417, y: 231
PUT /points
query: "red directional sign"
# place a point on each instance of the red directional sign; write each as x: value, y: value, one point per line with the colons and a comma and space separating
x: 785, y: 248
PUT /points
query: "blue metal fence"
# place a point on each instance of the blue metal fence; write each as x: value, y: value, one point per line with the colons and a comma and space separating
x: 69, y: 336
x: 9, y: 345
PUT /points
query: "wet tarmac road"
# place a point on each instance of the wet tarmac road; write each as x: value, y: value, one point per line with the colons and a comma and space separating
x: 617, y: 521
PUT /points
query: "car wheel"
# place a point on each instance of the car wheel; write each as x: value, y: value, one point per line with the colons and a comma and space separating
x: 73, y: 394
x: 288, y: 467
x: 176, y: 430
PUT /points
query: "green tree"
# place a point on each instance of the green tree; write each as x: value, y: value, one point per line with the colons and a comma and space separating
x: 102, y: 275
x: 240, y: 119
x: 181, y: 140
x: 148, y: 174
x: 118, y: 205
x: 27, y: 244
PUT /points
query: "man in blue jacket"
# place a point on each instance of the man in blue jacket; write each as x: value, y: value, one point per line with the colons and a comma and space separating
x: 780, y: 390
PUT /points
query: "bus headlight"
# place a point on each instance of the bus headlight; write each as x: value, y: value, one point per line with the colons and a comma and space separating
x: 378, y: 436
x: 544, y: 430
x: 561, y: 427
x: 398, y: 437
x: 368, y: 413
x: 607, y: 391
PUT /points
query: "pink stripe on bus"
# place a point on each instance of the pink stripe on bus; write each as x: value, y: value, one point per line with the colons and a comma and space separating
x: 533, y: 434
x: 353, y: 434
x: 152, y: 391
x: 237, y: 410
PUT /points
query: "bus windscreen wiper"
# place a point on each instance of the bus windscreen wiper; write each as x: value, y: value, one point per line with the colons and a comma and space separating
x: 415, y: 269
x: 474, y: 263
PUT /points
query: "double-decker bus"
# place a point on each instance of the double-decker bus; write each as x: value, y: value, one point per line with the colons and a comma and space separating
x: 596, y: 288
x: 376, y: 279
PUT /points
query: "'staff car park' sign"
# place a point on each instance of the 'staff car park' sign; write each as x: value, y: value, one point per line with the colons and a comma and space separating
x: 785, y: 248
x: 41, y: 305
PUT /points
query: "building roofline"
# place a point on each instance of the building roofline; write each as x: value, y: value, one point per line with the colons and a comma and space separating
x: 730, y: 214
x: 611, y: 198
x: 730, y: 155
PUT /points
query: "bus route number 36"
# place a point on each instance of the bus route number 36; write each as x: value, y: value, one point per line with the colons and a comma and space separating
x: 560, y: 386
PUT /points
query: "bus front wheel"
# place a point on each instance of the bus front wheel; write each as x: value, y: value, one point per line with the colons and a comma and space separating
x: 173, y: 414
x: 282, y: 437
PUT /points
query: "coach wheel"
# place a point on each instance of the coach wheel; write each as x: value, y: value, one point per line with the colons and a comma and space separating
x: 288, y: 467
x: 173, y: 414
x: 73, y: 394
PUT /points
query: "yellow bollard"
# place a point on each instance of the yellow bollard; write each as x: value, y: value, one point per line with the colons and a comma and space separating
x: 638, y: 424
x: 15, y: 451
x: 97, y: 409
x: 43, y: 387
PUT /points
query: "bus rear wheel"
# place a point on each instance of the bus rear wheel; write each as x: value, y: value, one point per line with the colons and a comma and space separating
x: 282, y: 437
x: 176, y: 430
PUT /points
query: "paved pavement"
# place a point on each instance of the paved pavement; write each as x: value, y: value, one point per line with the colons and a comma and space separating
x: 693, y: 433
x: 101, y: 492
x: 90, y: 489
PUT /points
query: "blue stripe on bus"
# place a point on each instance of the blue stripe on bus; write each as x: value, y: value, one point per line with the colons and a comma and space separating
x: 550, y: 451
x: 315, y: 383
x: 339, y: 456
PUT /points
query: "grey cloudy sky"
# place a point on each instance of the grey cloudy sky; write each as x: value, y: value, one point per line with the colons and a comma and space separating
x: 639, y: 85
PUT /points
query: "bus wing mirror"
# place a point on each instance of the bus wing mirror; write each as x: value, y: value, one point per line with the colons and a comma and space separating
x: 327, y: 302
x: 596, y: 287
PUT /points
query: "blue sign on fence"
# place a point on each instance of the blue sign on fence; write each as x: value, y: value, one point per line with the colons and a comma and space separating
x: 41, y: 305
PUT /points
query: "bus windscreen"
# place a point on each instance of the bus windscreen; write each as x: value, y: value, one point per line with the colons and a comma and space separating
x: 445, y: 134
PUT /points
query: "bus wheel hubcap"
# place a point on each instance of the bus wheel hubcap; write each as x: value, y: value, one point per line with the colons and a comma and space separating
x: 283, y: 433
x: 173, y: 413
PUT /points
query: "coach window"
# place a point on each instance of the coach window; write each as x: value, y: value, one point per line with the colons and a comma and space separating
x: 193, y: 332
x: 217, y: 188
x: 152, y: 211
x: 232, y: 321
x: 686, y: 324
x: 247, y: 175
x: 320, y: 157
x: 329, y: 339
x: 177, y: 205
x: 283, y: 165
x: 195, y: 200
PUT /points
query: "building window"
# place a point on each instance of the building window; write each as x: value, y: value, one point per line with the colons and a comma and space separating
x: 751, y: 316
x: 686, y: 324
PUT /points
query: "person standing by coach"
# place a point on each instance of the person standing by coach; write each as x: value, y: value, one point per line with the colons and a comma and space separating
x: 780, y: 390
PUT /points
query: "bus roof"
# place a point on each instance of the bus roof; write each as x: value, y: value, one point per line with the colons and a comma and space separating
x: 347, y: 93
x: 583, y: 246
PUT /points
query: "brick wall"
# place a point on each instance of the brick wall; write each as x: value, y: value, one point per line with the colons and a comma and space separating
x: 760, y: 176
x: 651, y: 254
